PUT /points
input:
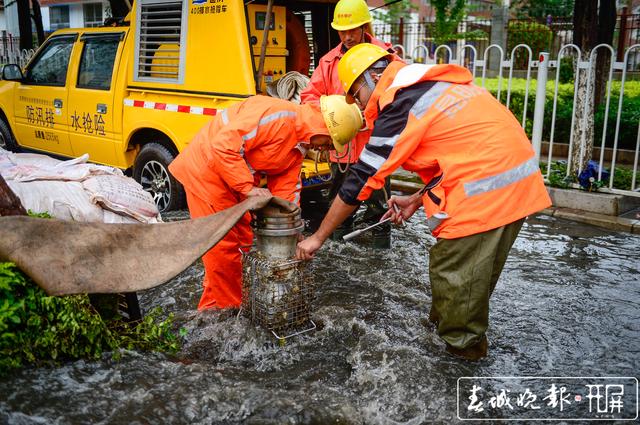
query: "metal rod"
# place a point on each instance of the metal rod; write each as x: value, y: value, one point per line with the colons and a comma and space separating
x: 361, y: 231
x: 313, y: 326
x: 538, y: 113
x: 263, y: 47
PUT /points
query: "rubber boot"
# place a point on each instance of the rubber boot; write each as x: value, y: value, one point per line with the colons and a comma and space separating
x: 472, y: 353
x: 382, y: 236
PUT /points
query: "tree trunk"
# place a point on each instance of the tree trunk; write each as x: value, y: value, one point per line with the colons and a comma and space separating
x: 37, y: 20
x: 24, y: 25
x: 606, y: 26
x: 119, y: 8
x: 9, y: 203
x: 585, y: 36
x: 583, y: 126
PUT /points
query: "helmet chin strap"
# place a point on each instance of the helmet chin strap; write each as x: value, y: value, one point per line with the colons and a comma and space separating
x: 369, y: 81
x: 381, y: 64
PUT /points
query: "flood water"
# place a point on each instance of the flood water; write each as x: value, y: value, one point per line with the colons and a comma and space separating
x: 567, y: 305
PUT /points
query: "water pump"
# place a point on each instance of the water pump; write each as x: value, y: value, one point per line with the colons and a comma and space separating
x: 277, y: 290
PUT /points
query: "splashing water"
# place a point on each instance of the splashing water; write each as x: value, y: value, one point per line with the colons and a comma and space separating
x: 567, y: 304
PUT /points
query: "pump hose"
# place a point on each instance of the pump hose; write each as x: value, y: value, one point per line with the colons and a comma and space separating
x: 322, y: 179
x: 288, y: 87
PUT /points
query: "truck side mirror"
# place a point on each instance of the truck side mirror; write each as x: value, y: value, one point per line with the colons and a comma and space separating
x: 12, y: 72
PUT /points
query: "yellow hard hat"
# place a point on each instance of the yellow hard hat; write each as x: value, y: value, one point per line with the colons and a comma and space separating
x: 343, y: 120
x: 350, y: 14
x: 357, y: 60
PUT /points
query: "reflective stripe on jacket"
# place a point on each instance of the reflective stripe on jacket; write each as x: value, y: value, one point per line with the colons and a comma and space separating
x: 436, y: 122
x: 259, y: 136
x: 325, y: 81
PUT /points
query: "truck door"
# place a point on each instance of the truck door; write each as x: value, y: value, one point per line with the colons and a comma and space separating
x: 91, y: 127
x: 41, y: 100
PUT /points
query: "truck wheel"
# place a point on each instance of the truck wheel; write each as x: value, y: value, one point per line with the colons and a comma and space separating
x: 151, y: 170
x: 7, y: 141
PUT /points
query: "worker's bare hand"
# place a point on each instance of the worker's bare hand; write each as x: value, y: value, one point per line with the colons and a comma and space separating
x: 259, y: 191
x: 307, y: 248
x: 401, y: 208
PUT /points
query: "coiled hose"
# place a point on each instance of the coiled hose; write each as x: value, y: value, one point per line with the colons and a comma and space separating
x: 288, y: 87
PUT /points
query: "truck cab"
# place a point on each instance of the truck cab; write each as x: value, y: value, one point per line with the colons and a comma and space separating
x: 132, y: 96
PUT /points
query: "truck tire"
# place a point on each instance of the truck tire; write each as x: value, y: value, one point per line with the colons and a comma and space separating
x: 151, y: 170
x: 7, y: 141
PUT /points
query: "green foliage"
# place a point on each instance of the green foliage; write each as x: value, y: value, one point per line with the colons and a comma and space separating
x: 562, y: 128
x: 39, y: 215
x: 448, y: 16
x: 537, y: 36
x: 622, y: 177
x: 395, y: 11
x: 558, y: 175
x: 541, y: 8
x: 566, y: 70
x: 36, y: 328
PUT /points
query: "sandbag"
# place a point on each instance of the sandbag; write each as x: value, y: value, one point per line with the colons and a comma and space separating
x: 61, y: 199
x: 76, y: 190
x: 122, y: 195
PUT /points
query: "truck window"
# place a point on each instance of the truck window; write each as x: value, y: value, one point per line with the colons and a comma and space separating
x: 49, y: 68
x: 96, y: 62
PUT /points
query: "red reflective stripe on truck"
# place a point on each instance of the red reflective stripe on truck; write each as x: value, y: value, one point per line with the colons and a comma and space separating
x: 159, y: 106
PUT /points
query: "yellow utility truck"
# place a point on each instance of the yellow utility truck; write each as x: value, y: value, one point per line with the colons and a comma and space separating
x: 133, y: 95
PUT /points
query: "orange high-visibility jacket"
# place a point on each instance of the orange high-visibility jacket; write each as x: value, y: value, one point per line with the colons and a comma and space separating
x: 325, y: 81
x: 260, y: 136
x: 457, y: 137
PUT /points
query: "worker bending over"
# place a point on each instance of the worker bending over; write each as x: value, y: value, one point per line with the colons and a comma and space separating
x: 223, y: 165
x: 481, y: 174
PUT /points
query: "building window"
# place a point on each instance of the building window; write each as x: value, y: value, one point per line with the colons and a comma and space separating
x: 58, y: 17
x: 92, y: 14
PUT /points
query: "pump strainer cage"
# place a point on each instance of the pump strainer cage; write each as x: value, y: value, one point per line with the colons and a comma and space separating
x: 277, y: 294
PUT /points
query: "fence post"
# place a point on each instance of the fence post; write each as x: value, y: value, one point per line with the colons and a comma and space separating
x: 401, y: 31
x: 622, y: 36
x: 538, y: 112
x: 499, y: 23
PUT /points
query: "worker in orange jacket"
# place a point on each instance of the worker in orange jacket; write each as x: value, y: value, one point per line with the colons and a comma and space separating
x: 352, y: 20
x: 481, y: 173
x: 224, y: 163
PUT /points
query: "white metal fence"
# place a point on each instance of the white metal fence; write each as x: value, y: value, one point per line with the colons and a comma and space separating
x: 544, y: 122
x: 10, y: 51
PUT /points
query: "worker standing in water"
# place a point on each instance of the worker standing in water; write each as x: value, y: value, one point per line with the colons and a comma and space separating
x: 224, y: 163
x: 481, y: 174
x: 352, y: 20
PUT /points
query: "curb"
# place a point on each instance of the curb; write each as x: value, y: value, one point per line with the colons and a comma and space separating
x: 600, y: 220
x: 611, y: 222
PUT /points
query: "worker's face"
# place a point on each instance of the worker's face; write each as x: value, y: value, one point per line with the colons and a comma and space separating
x: 359, y: 93
x: 321, y: 142
x: 352, y: 37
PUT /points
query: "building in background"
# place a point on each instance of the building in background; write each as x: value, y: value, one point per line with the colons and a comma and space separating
x: 424, y: 12
x: 57, y: 14
x: 3, y: 21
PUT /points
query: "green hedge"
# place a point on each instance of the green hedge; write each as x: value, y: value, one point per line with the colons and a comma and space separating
x: 534, y: 35
x: 628, y: 120
x: 36, y: 328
